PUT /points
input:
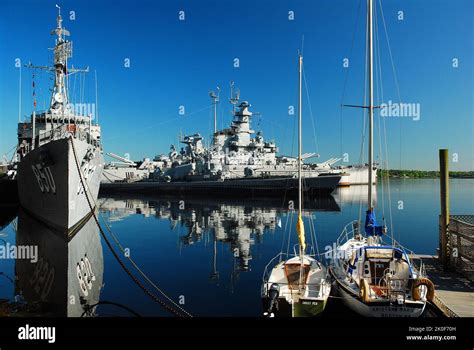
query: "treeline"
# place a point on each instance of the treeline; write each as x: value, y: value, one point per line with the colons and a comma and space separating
x: 418, y: 174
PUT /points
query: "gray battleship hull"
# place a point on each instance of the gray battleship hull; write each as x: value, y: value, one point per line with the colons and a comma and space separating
x: 319, y: 185
x: 49, y: 185
x: 67, y: 277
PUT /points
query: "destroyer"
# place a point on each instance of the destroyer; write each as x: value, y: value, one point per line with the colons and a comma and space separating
x: 60, y: 154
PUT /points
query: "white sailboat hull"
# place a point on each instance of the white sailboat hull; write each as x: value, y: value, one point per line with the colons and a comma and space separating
x: 384, y: 309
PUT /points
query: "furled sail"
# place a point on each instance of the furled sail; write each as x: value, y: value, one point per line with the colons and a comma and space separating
x: 300, y: 231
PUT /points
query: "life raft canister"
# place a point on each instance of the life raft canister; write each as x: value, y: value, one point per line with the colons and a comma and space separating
x: 415, y: 289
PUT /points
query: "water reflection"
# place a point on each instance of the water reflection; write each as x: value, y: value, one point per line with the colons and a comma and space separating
x: 239, y: 224
x: 224, y: 237
x: 67, y: 278
x: 355, y: 195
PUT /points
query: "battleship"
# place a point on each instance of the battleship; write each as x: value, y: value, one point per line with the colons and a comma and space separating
x: 240, y: 152
x: 235, y: 163
x: 235, y: 153
x: 60, y: 158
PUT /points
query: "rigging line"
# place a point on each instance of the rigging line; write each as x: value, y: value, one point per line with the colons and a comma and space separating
x: 384, y: 125
x: 383, y: 158
x: 310, y: 111
x: 347, y: 74
x: 364, y: 111
x: 11, y: 150
x: 139, y: 270
x: 7, y: 277
x: 284, y: 231
x: 394, y: 76
x: 146, y: 290
x: 314, y: 240
x: 289, y: 232
x: 159, y: 123
x: 73, y: 94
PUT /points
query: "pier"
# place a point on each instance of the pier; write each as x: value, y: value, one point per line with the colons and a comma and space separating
x: 452, y: 271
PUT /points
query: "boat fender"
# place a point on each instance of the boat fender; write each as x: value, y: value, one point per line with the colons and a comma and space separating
x: 416, y: 292
x: 352, y: 262
x: 364, y: 290
x: 273, y: 294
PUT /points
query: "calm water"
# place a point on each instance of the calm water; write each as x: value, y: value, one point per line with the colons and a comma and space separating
x: 210, y: 254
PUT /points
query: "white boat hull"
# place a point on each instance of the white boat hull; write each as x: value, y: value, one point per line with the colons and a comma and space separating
x: 379, y: 309
x: 49, y: 185
x: 357, y: 175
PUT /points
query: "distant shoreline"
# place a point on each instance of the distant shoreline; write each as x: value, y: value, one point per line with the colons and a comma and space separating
x: 422, y: 174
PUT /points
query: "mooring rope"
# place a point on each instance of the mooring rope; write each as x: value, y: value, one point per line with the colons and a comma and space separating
x: 104, y: 302
x: 180, y: 312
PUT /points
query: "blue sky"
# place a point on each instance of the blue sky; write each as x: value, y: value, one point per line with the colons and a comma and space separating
x: 176, y: 63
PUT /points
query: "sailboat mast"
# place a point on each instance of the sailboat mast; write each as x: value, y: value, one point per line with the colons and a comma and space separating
x: 371, y: 100
x: 300, y: 194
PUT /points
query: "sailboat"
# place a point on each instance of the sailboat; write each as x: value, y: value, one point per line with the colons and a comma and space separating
x: 298, y: 286
x: 376, y: 278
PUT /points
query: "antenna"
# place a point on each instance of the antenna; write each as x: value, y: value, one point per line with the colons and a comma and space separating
x: 234, y: 97
x: 215, y: 100
x: 96, y: 101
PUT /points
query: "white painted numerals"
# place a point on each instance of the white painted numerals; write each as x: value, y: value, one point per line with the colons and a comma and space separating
x: 85, y: 276
x: 45, y: 179
x: 42, y: 279
x: 87, y: 171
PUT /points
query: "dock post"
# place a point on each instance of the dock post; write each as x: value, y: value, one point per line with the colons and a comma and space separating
x: 444, y: 219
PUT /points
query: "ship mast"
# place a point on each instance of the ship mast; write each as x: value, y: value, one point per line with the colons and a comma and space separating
x: 371, y: 101
x: 300, y: 194
x: 300, y: 225
x: 62, y: 51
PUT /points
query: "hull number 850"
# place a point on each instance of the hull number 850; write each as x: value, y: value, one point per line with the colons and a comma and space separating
x: 45, y: 179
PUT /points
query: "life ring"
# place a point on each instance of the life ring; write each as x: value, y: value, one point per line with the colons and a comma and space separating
x: 364, y: 290
x: 415, y: 289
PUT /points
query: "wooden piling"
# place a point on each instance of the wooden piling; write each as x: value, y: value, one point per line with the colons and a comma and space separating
x: 444, y: 195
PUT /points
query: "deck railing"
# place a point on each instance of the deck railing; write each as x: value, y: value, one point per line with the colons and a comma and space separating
x: 460, y: 241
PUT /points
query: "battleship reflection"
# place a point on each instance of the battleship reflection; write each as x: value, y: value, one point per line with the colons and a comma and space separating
x: 237, y: 223
x: 66, y: 279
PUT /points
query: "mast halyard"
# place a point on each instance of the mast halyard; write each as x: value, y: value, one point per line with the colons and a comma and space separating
x: 371, y: 101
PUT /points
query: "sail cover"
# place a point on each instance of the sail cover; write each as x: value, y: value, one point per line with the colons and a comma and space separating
x: 371, y: 227
x: 300, y: 231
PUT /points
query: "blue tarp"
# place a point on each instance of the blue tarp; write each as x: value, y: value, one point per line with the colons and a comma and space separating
x: 371, y: 227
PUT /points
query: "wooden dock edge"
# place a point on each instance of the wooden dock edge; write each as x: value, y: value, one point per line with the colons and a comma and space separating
x: 438, y: 304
